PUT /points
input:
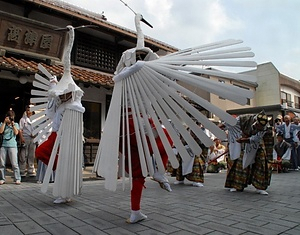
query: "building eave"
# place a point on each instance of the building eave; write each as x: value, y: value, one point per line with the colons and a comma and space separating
x: 98, y: 20
x: 28, y: 67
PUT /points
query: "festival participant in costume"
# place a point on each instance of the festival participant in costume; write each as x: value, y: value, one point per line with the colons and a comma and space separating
x: 282, y: 153
x: 248, y: 162
x: 289, y: 129
x: 65, y: 110
x: 146, y: 99
x: 44, y: 150
x: 134, y: 165
x: 193, y: 169
x: 298, y: 134
x: 41, y: 166
x: 216, y: 157
x: 296, y: 122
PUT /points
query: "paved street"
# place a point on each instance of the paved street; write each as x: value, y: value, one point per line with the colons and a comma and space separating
x: 187, y: 210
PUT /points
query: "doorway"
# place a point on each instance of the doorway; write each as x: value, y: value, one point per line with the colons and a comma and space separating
x: 15, y: 96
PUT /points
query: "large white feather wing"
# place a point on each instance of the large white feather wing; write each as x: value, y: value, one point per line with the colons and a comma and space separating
x: 40, y: 122
x: 151, y: 90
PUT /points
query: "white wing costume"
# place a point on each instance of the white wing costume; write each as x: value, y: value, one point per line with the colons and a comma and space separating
x: 149, y: 88
x: 65, y: 118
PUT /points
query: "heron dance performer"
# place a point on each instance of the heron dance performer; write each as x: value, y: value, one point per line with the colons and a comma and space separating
x: 65, y: 113
x: 148, y: 108
x: 248, y: 162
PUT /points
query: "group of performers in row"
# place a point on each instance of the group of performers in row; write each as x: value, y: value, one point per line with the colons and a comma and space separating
x: 268, y: 153
x: 246, y: 156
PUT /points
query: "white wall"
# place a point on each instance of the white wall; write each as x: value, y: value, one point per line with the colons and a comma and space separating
x: 97, y: 95
x: 291, y: 91
x: 268, y: 90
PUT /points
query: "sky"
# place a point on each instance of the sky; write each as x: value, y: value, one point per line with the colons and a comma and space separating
x: 270, y: 27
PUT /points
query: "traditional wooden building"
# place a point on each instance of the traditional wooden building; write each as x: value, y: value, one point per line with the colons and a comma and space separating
x: 28, y: 37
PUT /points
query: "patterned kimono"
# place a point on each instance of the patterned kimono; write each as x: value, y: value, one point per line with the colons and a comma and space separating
x: 290, y: 130
x: 197, y: 171
x: 257, y: 172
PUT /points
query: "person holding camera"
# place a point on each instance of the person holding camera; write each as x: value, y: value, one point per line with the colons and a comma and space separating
x: 27, y: 146
x: 10, y: 130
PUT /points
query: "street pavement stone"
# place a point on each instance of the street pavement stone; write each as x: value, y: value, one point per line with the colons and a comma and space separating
x: 186, y: 210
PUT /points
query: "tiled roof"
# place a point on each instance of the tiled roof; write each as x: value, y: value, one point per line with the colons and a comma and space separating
x: 78, y: 74
x: 97, y: 19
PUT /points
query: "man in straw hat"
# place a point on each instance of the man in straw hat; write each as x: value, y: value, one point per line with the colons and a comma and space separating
x: 247, y: 162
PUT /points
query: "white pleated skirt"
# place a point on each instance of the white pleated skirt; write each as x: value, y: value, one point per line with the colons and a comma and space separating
x: 68, y: 175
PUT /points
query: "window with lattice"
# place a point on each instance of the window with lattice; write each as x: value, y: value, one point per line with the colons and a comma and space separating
x: 92, y: 52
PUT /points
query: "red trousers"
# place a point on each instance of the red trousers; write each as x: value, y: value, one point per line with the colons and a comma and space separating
x: 43, y: 152
x: 138, y: 179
